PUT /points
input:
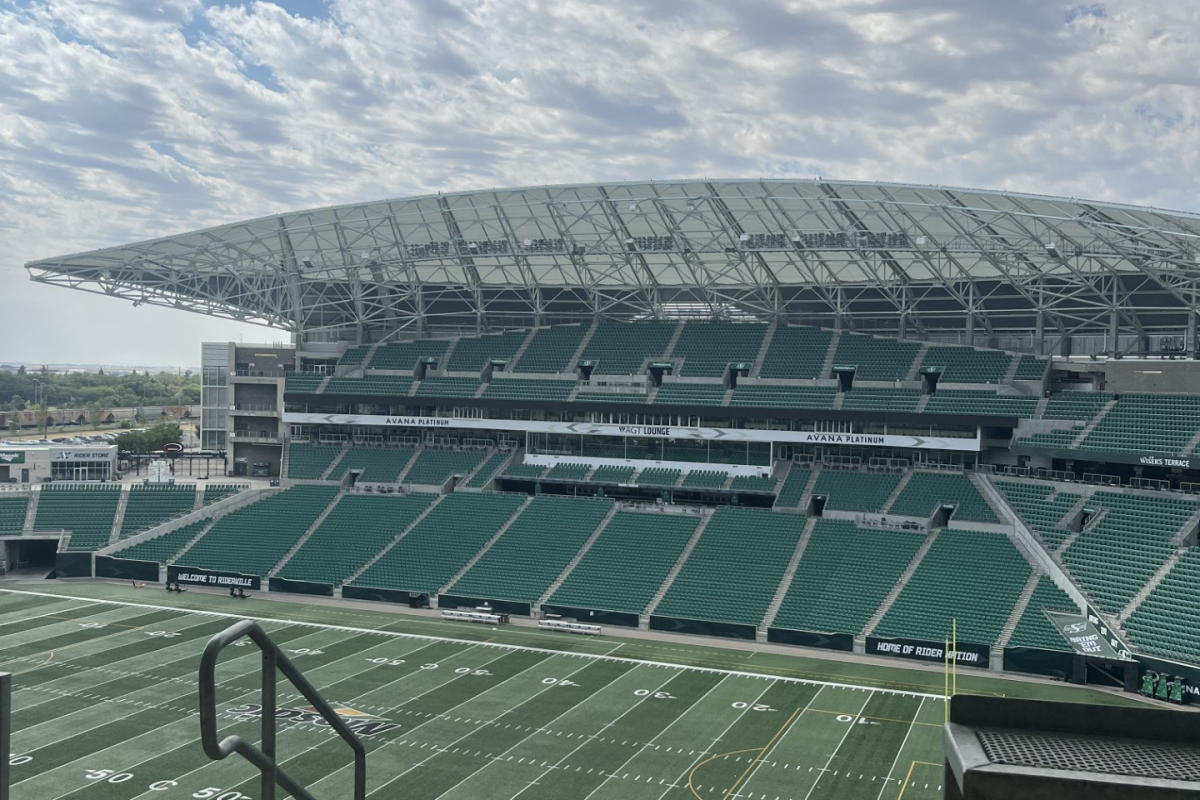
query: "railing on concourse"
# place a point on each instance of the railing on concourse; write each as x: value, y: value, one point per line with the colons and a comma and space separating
x: 273, y: 659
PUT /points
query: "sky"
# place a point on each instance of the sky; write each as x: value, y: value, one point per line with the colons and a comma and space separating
x: 123, y: 120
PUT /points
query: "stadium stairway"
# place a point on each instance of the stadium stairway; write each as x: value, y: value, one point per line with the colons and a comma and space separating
x: 1152, y: 584
x: 786, y: 583
x: 806, y: 496
x: 1191, y: 445
x: 587, y: 545
x: 384, y: 550
x: 900, y: 486
x: 756, y: 367
x: 449, y: 354
x: 669, y: 350
x: 198, y: 503
x: 1039, y: 411
x: 31, y: 513
x: 325, y: 476
x: 644, y: 619
x: 487, y: 545
x: 1022, y: 603
x: 412, y: 459
x: 901, y: 582
x: 1092, y: 423
x: 1010, y: 375
x: 992, y: 496
x: 516, y: 356
x: 207, y: 514
x: 583, y: 343
x: 306, y: 535
x: 827, y: 365
x: 119, y: 517
x: 914, y: 372
x: 1097, y: 518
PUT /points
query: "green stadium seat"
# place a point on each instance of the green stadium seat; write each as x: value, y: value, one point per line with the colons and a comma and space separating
x: 488, y: 470
x: 564, y: 471
x: 850, y: 490
x: 981, y: 402
x: 704, y: 479
x: 87, y: 510
x: 358, y: 527
x: 447, y: 387
x: 434, y: 467
x: 627, y: 563
x: 612, y: 474
x: 690, y: 394
x: 774, y: 396
x: 535, y: 549
x: 309, y: 461
x: 215, y: 492
x: 926, y: 491
x: 753, y: 483
x: 302, y: 383
x: 973, y: 577
x: 440, y: 544
x: 13, y: 509
x: 734, y: 570
x: 377, y: 464
x: 658, y: 476
x: 374, y: 385
x: 529, y: 389
x: 1033, y: 629
x: 796, y: 353
x: 1167, y: 623
x: 1076, y: 405
x: 1041, y: 507
x: 162, y: 548
x: 1160, y: 424
x: 355, y: 356
x: 473, y: 353
x: 793, y: 488
x: 404, y: 356
x: 893, y: 400
x: 551, y: 350
x: 876, y: 359
x: 967, y: 365
x: 843, y: 576
x: 154, y: 504
x: 708, y: 347
x: 1113, y: 558
x: 621, y: 348
x: 255, y: 537
x: 1031, y: 368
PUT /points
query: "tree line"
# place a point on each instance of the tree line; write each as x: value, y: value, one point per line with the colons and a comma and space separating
x: 27, y: 389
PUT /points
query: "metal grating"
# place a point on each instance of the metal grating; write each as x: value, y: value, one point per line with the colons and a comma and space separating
x: 1100, y: 754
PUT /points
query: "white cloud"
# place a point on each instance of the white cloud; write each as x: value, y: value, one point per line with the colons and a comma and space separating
x: 123, y: 119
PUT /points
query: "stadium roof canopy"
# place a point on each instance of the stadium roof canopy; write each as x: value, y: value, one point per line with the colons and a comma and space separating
x: 866, y: 256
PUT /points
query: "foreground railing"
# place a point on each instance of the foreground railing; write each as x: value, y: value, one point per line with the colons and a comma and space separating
x: 273, y: 660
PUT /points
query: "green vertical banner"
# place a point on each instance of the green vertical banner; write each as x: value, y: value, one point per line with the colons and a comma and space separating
x: 1086, y: 637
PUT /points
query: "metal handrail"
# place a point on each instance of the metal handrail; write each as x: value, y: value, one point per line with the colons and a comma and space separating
x: 272, y: 659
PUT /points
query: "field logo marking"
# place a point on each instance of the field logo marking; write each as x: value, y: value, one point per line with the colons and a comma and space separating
x: 361, y: 722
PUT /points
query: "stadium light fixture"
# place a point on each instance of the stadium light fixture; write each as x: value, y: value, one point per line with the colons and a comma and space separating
x: 307, y: 262
x: 1052, y: 249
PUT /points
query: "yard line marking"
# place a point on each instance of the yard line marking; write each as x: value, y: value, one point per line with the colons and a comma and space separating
x: 500, y: 645
x: 509, y: 710
x: 642, y: 749
x: 700, y: 760
x: 769, y: 747
x: 899, y: 752
x: 832, y: 755
x: 607, y: 725
x: 303, y: 727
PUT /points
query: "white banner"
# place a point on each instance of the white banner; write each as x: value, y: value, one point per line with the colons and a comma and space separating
x: 652, y: 431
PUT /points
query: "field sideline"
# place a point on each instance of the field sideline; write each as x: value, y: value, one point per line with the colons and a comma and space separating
x: 104, y: 707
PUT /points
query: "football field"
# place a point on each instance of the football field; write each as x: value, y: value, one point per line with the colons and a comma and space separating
x: 105, y: 707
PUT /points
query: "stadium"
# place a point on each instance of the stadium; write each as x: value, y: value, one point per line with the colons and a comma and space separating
x: 790, y: 455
